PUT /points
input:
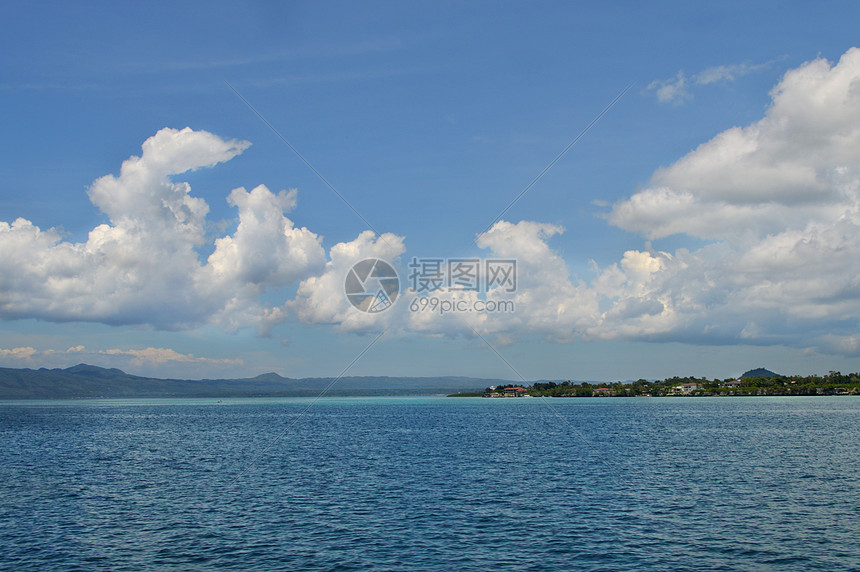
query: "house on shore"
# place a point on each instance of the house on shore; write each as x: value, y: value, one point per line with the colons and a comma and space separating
x: 685, y: 388
x: 515, y: 391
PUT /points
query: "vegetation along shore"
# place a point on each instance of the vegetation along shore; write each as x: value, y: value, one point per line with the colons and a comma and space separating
x: 754, y: 382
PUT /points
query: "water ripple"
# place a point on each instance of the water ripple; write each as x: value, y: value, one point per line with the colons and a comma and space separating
x: 431, y: 484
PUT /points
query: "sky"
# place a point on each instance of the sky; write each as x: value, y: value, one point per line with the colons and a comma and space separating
x: 675, y: 186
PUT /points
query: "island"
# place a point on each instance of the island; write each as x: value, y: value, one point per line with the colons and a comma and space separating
x: 754, y: 382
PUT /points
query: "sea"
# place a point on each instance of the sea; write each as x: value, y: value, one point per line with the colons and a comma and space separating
x: 431, y: 483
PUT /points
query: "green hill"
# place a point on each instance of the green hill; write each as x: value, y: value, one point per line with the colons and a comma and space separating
x: 759, y: 372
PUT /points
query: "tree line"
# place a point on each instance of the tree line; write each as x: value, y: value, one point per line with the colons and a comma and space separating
x: 834, y: 383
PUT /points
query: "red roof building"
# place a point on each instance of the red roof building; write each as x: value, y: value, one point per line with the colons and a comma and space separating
x: 515, y: 390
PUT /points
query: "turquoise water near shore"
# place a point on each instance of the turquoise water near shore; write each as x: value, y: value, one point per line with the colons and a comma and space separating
x: 431, y: 484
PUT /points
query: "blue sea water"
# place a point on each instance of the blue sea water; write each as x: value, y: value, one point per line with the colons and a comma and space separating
x: 431, y: 484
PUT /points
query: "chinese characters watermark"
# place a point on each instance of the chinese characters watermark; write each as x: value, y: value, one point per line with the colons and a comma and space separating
x: 438, y: 285
x: 462, y: 275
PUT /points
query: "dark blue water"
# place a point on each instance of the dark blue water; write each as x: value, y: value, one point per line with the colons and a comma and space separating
x: 431, y: 484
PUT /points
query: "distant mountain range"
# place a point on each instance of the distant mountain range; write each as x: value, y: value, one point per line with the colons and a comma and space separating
x: 88, y: 381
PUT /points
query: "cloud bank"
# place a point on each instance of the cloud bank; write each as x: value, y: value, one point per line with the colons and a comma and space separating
x: 777, y: 203
x: 28, y: 356
x: 779, y: 200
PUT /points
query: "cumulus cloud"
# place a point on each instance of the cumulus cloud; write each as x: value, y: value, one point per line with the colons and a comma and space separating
x: 776, y: 202
x: 795, y: 166
x: 545, y: 299
x: 266, y: 251
x: 780, y: 201
x: 22, y: 354
x: 144, y: 266
x: 548, y: 299
x: 321, y: 299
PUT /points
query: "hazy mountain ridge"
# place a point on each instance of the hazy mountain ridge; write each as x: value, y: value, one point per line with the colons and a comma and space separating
x: 88, y: 381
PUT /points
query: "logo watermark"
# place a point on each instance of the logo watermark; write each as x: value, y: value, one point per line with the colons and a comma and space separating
x: 462, y: 275
x: 440, y: 285
x: 461, y: 285
x: 372, y: 285
x: 447, y: 305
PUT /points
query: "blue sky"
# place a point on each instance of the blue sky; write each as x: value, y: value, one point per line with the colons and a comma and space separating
x: 705, y: 225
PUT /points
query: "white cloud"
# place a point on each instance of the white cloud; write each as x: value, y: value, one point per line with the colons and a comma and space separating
x: 548, y: 300
x: 675, y: 90
x: 22, y: 354
x: 159, y: 356
x: 777, y: 202
x: 321, y: 298
x: 150, y: 356
x: 797, y: 164
x: 781, y: 198
x: 144, y: 267
x: 728, y: 72
x: 266, y: 251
